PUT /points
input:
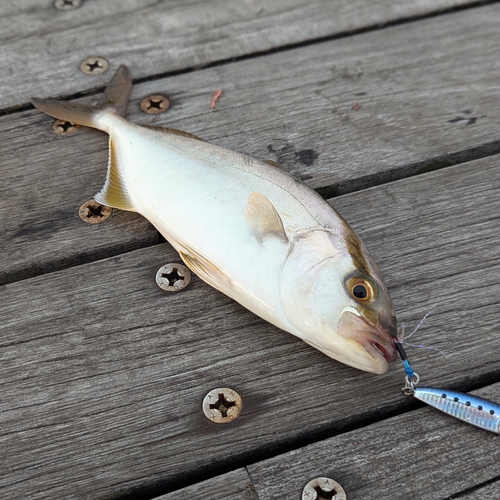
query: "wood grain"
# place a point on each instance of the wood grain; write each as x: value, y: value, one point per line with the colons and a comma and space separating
x: 421, y: 455
x: 40, y: 195
x: 482, y: 493
x: 235, y: 485
x: 103, y: 373
x: 42, y: 47
x: 419, y: 110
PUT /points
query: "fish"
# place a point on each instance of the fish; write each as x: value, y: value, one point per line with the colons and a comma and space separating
x: 247, y: 228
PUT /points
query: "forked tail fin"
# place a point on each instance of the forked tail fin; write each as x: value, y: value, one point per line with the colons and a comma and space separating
x: 114, y: 192
x: 115, y: 98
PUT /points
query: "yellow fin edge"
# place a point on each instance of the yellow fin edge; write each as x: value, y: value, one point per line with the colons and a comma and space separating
x: 115, y: 193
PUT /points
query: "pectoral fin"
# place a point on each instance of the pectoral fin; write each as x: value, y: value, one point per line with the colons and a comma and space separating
x: 262, y: 218
x: 207, y: 271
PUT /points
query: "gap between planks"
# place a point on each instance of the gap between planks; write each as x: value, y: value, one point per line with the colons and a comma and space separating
x: 191, y: 483
x: 327, y: 192
x: 274, y: 50
x: 486, y: 489
x: 245, y: 482
x: 410, y: 170
x: 429, y: 455
x: 398, y: 128
x: 415, y: 277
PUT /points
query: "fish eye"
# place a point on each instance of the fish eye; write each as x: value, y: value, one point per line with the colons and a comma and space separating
x: 361, y: 290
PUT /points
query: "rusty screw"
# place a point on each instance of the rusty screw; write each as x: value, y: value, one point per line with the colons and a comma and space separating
x: 222, y: 405
x: 62, y: 127
x: 67, y: 4
x: 92, y: 212
x: 323, y: 488
x: 155, y: 104
x: 173, y: 277
x: 94, y: 65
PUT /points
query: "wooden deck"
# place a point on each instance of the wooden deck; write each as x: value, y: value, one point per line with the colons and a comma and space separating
x: 103, y: 374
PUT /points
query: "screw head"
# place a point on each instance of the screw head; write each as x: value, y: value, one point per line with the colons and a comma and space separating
x: 92, y: 212
x: 94, y: 65
x: 323, y: 488
x: 155, y: 104
x: 173, y: 277
x: 222, y: 406
x: 67, y: 4
x: 63, y: 127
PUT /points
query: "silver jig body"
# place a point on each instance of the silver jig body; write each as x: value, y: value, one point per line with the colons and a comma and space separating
x: 471, y: 409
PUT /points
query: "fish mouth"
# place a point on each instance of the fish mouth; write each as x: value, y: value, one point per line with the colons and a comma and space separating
x: 380, y: 347
x: 375, y: 341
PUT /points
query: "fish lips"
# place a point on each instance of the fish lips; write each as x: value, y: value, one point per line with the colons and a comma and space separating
x: 375, y: 340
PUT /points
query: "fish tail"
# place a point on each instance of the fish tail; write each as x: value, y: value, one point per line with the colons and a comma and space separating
x: 115, y: 99
x: 118, y: 91
x: 114, y: 103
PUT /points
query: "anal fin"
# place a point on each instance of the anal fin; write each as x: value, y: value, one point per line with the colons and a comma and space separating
x: 115, y: 193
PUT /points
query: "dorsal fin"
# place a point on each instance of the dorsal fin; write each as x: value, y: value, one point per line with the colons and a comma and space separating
x: 274, y: 164
x: 115, y: 193
x: 262, y: 217
x: 174, y: 132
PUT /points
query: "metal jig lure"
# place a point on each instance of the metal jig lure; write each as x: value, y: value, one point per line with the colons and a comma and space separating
x: 471, y: 409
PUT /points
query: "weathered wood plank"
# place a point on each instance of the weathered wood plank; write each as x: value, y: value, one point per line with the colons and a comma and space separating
x: 42, y: 47
x: 299, y: 114
x: 235, y: 485
x: 40, y: 195
x: 103, y: 374
x: 489, y: 491
x: 421, y: 455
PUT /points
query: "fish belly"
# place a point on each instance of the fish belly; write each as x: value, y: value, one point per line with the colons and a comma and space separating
x: 196, y: 195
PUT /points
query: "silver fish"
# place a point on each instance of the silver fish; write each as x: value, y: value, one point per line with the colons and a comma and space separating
x: 247, y: 228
